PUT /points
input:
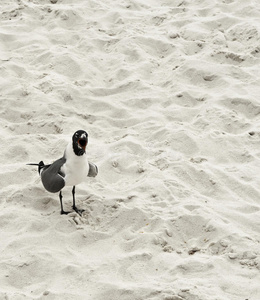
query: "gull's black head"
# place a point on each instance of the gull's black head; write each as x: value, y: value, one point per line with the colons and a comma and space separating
x: 79, y: 142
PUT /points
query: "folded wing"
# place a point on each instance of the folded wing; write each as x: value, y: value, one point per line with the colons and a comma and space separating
x: 93, y: 170
x: 52, y: 177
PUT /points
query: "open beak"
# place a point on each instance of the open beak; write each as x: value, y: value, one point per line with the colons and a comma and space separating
x: 82, y: 142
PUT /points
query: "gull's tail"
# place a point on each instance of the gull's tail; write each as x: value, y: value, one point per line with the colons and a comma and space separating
x: 40, y: 166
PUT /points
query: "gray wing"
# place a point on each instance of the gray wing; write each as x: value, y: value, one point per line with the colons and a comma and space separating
x: 52, y: 177
x: 93, y: 170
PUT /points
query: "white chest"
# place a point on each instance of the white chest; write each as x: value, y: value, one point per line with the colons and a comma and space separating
x: 76, y: 168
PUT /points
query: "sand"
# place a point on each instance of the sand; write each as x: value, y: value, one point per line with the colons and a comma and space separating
x: 168, y: 92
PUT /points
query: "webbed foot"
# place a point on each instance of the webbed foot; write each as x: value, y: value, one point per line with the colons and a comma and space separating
x: 78, y: 211
x: 63, y: 212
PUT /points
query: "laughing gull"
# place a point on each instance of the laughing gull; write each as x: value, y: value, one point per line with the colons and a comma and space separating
x: 69, y: 170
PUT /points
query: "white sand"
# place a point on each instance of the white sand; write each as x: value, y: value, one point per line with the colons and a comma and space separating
x: 168, y: 92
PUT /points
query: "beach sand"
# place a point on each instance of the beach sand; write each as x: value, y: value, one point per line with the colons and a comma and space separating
x: 168, y: 92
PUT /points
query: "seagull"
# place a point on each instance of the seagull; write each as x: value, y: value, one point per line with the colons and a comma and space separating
x: 70, y: 170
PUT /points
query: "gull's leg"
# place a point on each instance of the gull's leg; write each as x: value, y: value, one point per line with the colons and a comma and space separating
x: 61, y: 205
x: 79, y: 211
